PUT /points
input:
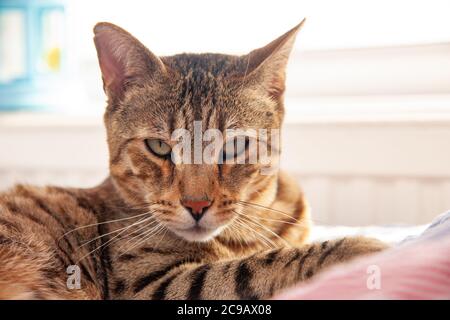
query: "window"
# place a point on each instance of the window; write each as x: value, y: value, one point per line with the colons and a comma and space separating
x: 31, y: 53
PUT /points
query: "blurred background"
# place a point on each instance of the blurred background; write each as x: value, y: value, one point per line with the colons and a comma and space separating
x: 367, y: 129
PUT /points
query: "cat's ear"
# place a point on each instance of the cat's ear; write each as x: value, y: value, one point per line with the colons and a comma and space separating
x: 267, y: 65
x: 123, y: 59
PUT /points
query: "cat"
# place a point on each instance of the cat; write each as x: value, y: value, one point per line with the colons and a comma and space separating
x: 159, y: 230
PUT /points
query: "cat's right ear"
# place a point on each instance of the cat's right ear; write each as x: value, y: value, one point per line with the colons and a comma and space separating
x: 123, y: 59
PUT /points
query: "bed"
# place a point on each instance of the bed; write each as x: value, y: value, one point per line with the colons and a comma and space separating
x: 417, y: 266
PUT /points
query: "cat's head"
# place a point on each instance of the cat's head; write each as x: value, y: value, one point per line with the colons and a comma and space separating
x: 150, y: 97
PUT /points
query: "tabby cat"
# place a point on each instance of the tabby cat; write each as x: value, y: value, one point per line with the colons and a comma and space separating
x: 158, y: 230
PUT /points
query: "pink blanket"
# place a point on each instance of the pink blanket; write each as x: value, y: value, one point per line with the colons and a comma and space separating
x: 419, y: 269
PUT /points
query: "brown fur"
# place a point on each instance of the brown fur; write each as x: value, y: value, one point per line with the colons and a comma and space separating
x: 264, y: 218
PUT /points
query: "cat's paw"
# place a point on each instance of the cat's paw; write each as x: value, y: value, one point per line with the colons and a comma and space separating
x: 352, y: 247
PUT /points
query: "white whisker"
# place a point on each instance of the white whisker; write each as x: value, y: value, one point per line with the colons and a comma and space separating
x: 264, y: 227
x: 107, y: 242
x: 146, y: 235
x: 104, y: 222
x: 243, y: 203
x: 264, y: 239
x: 114, y: 231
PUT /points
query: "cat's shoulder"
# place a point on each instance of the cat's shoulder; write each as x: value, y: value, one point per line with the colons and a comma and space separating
x: 288, y: 185
x: 47, y: 192
x: 45, y: 197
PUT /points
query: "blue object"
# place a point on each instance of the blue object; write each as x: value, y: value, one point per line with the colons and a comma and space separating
x: 41, y: 76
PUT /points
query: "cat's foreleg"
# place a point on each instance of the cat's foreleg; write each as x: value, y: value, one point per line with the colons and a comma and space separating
x: 255, y: 277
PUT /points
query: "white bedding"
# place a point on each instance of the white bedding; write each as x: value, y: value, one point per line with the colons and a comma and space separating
x: 389, y: 233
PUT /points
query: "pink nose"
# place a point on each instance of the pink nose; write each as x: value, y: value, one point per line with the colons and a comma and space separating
x: 196, y: 208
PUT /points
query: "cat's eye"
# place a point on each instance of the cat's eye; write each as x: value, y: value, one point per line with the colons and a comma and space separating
x: 234, y: 148
x: 158, y: 147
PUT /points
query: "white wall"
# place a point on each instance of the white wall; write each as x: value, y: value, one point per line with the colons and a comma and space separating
x: 371, y: 173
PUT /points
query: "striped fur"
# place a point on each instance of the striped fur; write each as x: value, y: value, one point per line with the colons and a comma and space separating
x: 130, y: 236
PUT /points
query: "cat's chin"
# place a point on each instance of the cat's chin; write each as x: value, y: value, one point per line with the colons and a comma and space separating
x: 198, y: 234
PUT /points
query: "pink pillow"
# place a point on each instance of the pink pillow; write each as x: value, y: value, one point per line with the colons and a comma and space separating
x: 417, y: 270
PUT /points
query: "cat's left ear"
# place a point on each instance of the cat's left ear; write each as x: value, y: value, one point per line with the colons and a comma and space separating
x: 267, y: 65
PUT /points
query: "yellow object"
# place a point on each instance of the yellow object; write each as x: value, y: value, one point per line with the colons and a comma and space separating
x: 53, y: 59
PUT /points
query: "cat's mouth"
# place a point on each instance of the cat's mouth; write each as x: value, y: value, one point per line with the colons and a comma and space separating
x: 198, y: 233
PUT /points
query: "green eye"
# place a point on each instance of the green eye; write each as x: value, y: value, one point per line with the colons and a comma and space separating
x: 158, y: 147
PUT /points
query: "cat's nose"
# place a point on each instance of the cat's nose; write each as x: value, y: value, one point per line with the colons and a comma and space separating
x: 197, y: 209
